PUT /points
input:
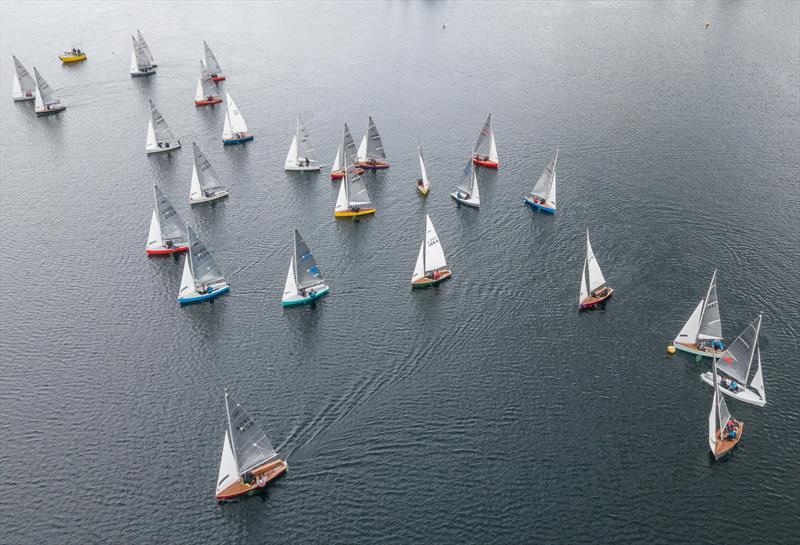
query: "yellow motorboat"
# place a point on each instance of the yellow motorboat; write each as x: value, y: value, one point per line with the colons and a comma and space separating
x: 76, y: 54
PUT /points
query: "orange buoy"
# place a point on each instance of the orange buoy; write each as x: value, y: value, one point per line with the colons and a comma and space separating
x: 670, y: 349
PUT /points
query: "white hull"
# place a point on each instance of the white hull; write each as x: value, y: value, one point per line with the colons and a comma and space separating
x: 743, y: 394
x: 137, y: 73
x: 289, y: 166
x: 695, y: 351
x: 469, y: 202
x: 293, y: 298
x: 214, y: 197
x: 172, y: 147
x: 23, y: 98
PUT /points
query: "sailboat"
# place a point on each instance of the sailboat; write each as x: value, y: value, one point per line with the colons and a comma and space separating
x: 249, y: 461
x: 353, y: 198
x: 202, y: 279
x: 543, y: 194
x: 594, y: 289
x: 724, y: 432
x: 423, y: 184
x: 45, y: 103
x: 167, y: 231
x: 235, y: 130
x: 301, y: 154
x: 204, y: 95
x: 702, y: 333
x: 431, y: 267
x: 23, y: 88
x: 205, y: 186
x: 370, y: 153
x: 304, y: 283
x: 467, y: 190
x: 73, y: 54
x: 485, y: 152
x: 159, y: 135
x: 214, y: 70
x: 348, y: 146
x: 735, y: 365
x: 145, y: 47
x: 142, y: 63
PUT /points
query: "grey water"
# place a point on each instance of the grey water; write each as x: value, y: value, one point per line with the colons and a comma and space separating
x: 488, y: 410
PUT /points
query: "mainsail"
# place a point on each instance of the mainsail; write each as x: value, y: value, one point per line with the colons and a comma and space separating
x: 467, y: 182
x: 234, y: 121
x: 211, y: 61
x: 545, y: 185
x: 349, y: 145
x: 24, y: 83
x: 172, y: 227
x: 206, y: 175
x: 434, y: 254
x: 305, y: 149
x: 44, y: 94
x: 145, y: 48
x: 710, y: 323
x: 205, y: 87
x: 141, y: 52
x: 374, y: 143
x: 307, y: 273
x: 485, y: 144
x: 719, y: 415
x: 595, y: 275
x: 251, y: 447
x: 356, y: 191
x: 737, y: 359
x: 422, y: 168
x: 204, y: 268
x: 160, y: 127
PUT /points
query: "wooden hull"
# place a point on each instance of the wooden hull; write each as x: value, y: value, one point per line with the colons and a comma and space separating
x: 215, y: 100
x: 52, y: 111
x: 486, y: 164
x: 72, y: 58
x: 426, y: 282
x: 592, y: 302
x: 264, y: 474
x: 349, y: 214
x: 339, y: 174
x: 696, y: 350
x: 373, y: 166
x: 724, y: 446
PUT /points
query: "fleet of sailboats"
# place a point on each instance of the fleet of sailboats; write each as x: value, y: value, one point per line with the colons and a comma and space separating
x: 23, y: 87
x: 304, y: 283
x: 370, y: 153
x: 205, y: 93
x: 543, y: 194
x: 594, y: 289
x: 142, y: 61
x: 702, y: 333
x: 423, y: 184
x: 214, y: 70
x: 467, y: 191
x: 167, y: 231
x: 206, y: 185
x: 346, y: 147
x: 353, y: 199
x: 735, y: 365
x: 302, y: 155
x: 249, y: 461
x: 202, y: 278
x: 45, y: 103
x: 724, y: 432
x: 431, y: 267
x: 159, y: 136
x: 485, y: 152
x: 235, y: 129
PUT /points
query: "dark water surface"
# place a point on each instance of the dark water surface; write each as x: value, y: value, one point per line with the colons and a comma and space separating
x: 487, y: 410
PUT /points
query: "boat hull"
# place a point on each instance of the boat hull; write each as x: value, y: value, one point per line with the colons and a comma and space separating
x: 24, y: 98
x: 486, y: 164
x: 724, y: 446
x: 351, y: 214
x: 466, y: 202
x: 423, y: 190
x: 539, y: 206
x: 215, y: 100
x: 42, y: 113
x: 339, y: 174
x: 194, y: 297
x: 158, y: 249
x: 593, y: 302
x: 216, y: 79
x: 309, y: 168
x: 242, y: 140
x: 743, y: 394
x: 266, y: 474
x: 73, y: 58
x: 694, y: 349
x: 426, y: 282
x: 139, y: 73
x: 214, y: 197
x: 372, y: 166
x: 300, y: 300
x: 151, y: 151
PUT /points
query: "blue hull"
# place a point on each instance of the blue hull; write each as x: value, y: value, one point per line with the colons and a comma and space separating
x: 238, y: 140
x: 540, y: 207
x: 316, y: 296
x: 201, y: 298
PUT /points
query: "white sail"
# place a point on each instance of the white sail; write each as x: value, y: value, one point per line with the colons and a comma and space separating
x: 227, y: 131
x: 44, y: 94
x: 688, y: 335
x: 154, y: 235
x: 545, y: 186
x: 195, y: 191
x: 145, y: 48
x: 211, y: 61
x: 713, y: 422
x: 485, y: 146
x: 151, y: 143
x: 198, y: 94
x: 362, y: 150
x: 596, y: 278
x: 434, y: 254
x: 337, y: 163
x: 710, y: 323
x: 419, y: 267
x: 738, y: 357
x: 38, y: 102
x: 290, y: 288
x: 23, y: 86
x: 251, y: 447
x: 291, y: 157
x: 584, y: 288
x: 228, y: 470
x: 422, y: 168
x: 475, y: 192
x: 16, y: 88
x: 187, y: 279
x: 134, y: 67
x: 757, y: 383
x: 341, y: 200
x: 305, y: 148
x: 238, y: 124
x: 493, y: 150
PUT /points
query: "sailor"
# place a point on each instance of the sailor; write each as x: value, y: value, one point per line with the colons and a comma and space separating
x: 312, y: 293
x: 168, y: 243
x: 734, y: 386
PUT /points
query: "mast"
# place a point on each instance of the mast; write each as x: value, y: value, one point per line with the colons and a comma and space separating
x: 425, y: 245
x: 230, y: 430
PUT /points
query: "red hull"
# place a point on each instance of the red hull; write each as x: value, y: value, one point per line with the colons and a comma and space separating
x: 218, y: 78
x: 596, y: 301
x: 165, y: 251
x: 487, y: 164
x: 207, y: 102
x: 242, y: 491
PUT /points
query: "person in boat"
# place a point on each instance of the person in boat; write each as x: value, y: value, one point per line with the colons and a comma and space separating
x: 168, y: 244
x: 420, y: 183
x: 734, y: 387
x: 210, y: 97
x: 248, y: 477
x: 462, y: 195
x: 372, y: 162
x: 312, y: 292
x: 355, y: 208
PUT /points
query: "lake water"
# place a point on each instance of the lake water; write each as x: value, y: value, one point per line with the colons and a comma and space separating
x: 487, y: 410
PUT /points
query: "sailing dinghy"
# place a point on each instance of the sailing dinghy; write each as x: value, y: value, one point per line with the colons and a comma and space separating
x: 353, y: 198
x: 467, y: 190
x: 301, y: 154
x: 205, y: 186
x: 485, y: 152
x: 431, y: 267
x: 370, y: 153
x: 142, y: 63
x: 249, y: 461
x: 167, y: 231
x: 348, y: 146
x: 304, y: 282
x: 159, y: 135
x: 724, y: 432
x: 594, y: 289
x: 73, y: 54
x: 204, y: 95
x: 702, y: 333
x: 214, y: 70
x: 235, y: 130
x: 45, y: 103
x: 23, y: 88
x: 423, y: 184
x: 202, y: 279
x: 543, y: 194
x: 735, y: 365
